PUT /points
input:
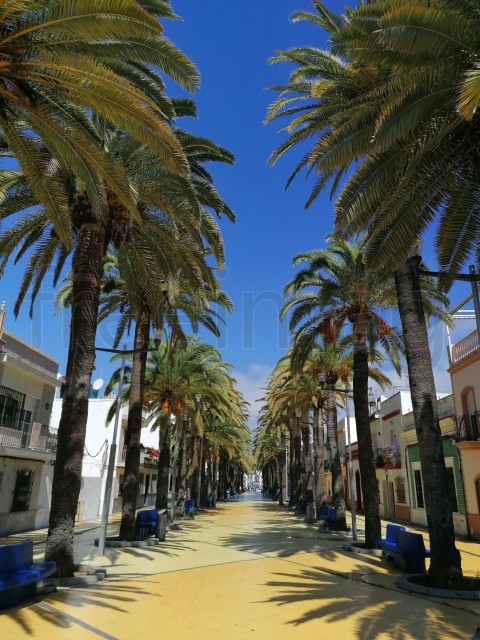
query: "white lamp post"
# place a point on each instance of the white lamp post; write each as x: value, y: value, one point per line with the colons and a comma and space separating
x: 112, y: 456
x: 350, y: 469
x: 198, y: 397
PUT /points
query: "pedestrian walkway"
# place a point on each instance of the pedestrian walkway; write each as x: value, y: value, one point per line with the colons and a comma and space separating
x: 249, y: 569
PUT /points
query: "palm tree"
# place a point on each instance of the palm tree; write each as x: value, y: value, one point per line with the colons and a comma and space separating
x: 94, y: 232
x: 176, y: 373
x: 62, y: 59
x: 387, y: 94
x: 331, y: 361
x: 185, y: 284
x: 334, y: 289
x: 288, y: 399
x: 175, y: 219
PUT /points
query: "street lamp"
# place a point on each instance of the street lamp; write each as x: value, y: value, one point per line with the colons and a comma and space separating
x: 113, y: 451
x: 350, y: 469
x: 198, y: 397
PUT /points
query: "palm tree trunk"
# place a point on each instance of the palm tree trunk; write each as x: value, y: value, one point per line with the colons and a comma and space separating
x: 445, y: 561
x: 203, y: 483
x: 319, y: 459
x: 134, y: 428
x: 87, y: 278
x: 282, y: 468
x: 161, y: 501
x: 297, y: 486
x: 193, y: 471
x: 292, y: 468
x: 338, y: 487
x: 182, y: 465
x: 366, y: 460
x: 371, y: 497
x: 307, y: 458
x: 214, y: 480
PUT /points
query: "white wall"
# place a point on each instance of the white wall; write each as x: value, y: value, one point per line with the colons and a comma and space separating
x: 37, y: 515
x: 95, y: 460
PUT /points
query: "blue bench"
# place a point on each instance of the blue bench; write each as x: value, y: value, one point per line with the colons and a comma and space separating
x: 145, y: 523
x: 188, y: 505
x: 328, y: 516
x: 409, y: 552
x: 391, y: 539
x: 301, y: 506
x: 19, y: 574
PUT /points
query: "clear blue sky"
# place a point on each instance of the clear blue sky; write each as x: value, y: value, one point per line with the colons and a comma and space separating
x: 231, y: 42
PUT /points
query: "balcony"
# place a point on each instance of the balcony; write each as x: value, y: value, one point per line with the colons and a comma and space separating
x: 468, y: 428
x: 464, y: 348
x: 34, y: 436
x: 388, y: 458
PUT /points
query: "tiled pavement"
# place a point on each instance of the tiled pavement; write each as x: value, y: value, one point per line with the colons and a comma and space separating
x: 249, y: 569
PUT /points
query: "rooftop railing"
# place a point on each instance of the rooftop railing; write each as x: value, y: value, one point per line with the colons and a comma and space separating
x: 464, y: 348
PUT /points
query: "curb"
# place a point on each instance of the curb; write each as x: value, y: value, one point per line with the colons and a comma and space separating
x: 50, y: 584
x: 404, y: 583
x: 114, y: 543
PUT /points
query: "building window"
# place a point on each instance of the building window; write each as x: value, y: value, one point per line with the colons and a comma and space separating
x: 417, y: 474
x: 11, y: 405
x: 451, y: 488
x: 23, y: 490
x: 400, y: 489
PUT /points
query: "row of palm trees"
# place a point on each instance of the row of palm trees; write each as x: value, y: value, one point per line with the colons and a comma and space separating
x: 188, y: 381
x: 390, y: 116
x: 335, y: 290
x: 101, y: 174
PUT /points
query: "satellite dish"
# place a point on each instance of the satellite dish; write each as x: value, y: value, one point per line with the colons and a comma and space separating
x: 98, y: 384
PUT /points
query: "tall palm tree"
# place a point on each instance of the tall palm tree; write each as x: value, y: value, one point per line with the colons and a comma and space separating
x: 176, y: 372
x: 335, y: 288
x: 187, y: 284
x: 387, y: 94
x: 95, y: 228
x: 62, y: 59
x: 333, y: 361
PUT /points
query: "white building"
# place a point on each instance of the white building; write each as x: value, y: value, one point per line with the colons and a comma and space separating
x: 95, y: 461
x: 28, y: 379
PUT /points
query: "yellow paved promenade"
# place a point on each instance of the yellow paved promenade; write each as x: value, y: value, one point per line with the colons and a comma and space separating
x: 249, y: 569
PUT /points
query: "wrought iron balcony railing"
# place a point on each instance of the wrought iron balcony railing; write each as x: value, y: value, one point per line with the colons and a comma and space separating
x: 468, y: 427
x: 25, y: 435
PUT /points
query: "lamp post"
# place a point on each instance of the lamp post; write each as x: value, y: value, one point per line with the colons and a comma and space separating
x: 198, y: 397
x: 350, y: 469
x: 173, y: 501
